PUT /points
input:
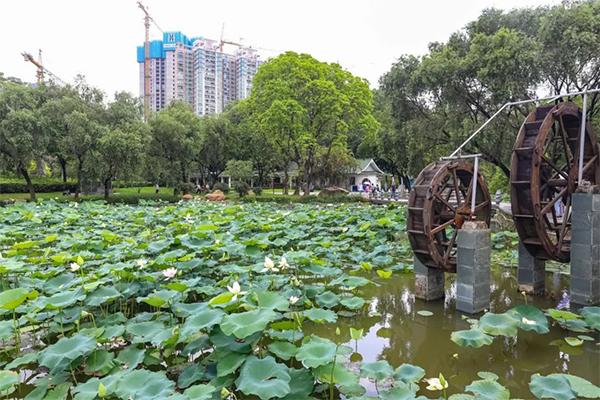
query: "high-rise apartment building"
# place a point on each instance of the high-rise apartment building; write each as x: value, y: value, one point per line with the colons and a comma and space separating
x: 197, y: 71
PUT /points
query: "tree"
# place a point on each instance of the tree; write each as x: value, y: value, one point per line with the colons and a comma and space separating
x: 218, y: 145
x: 21, y: 139
x: 240, y: 172
x: 176, y: 136
x: 119, y: 153
x: 330, y: 104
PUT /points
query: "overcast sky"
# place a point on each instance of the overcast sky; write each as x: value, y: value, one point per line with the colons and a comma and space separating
x: 98, y: 38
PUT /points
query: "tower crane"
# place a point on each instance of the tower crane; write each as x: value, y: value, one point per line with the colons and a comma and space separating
x: 147, y: 20
x: 41, y: 70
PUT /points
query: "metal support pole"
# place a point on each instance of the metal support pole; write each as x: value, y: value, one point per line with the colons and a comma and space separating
x: 582, y: 139
x: 474, y: 179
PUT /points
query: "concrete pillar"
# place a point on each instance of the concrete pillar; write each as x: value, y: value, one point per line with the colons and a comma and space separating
x: 429, y: 282
x: 585, y: 249
x: 531, y: 272
x: 473, y: 267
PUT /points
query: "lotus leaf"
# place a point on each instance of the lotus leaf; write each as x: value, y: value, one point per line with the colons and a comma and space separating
x: 12, y: 298
x: 530, y: 318
x: 316, y: 351
x: 8, y: 380
x: 582, y: 387
x: 409, y: 373
x: 244, y: 324
x: 488, y: 390
x: 283, y: 350
x: 6, y: 329
x: 202, y: 319
x: 471, y: 338
x: 131, y: 357
x: 100, y: 362
x: 498, y: 324
x: 555, y: 387
x: 591, y: 316
x: 378, y: 370
x: 264, y: 378
x: 58, y: 356
x: 336, y: 374
x: 353, y: 303
x: 142, y: 384
x: 200, y: 392
x: 190, y: 374
x: 320, y: 315
x: 271, y: 300
x: 230, y: 363
x: 488, y: 375
x: 328, y: 299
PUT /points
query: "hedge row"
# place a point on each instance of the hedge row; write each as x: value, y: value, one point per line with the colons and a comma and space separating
x: 39, y: 187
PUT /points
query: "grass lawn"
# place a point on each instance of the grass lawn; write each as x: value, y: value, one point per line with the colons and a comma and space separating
x: 147, y: 192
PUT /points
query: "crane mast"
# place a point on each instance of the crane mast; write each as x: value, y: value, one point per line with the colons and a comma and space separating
x: 41, y: 70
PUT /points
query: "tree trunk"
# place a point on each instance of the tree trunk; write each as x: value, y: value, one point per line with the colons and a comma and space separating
x: 78, y: 186
x: 30, y: 188
x: 39, y: 166
x: 286, y: 182
x: 306, y: 178
x: 106, y: 188
x: 63, y: 168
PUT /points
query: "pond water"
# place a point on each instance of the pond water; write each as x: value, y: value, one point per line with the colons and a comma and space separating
x: 393, y: 331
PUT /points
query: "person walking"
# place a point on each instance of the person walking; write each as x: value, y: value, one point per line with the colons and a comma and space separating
x: 156, y: 188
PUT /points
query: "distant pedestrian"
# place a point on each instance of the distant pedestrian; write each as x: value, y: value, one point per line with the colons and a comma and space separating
x: 156, y: 188
x: 498, y: 197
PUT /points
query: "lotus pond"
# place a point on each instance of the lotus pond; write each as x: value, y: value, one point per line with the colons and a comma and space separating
x: 209, y: 301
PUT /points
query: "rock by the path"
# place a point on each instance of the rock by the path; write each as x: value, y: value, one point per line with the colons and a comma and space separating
x: 217, y: 195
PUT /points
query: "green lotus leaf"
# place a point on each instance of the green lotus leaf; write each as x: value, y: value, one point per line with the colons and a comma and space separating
x: 353, y: 303
x: 283, y: 350
x: 425, y: 313
x: 221, y: 299
x: 291, y: 335
x: 398, y: 393
x: 64, y: 299
x: 58, y: 356
x: 7, y: 329
x: 336, y: 374
x: 264, y: 378
x: 384, y: 274
x: 384, y: 332
x: 461, y: 396
x: 582, y: 387
x: 555, y: 387
x: 142, y: 384
x: 244, y: 324
x: 573, y: 341
x: 327, y: 299
x: 12, y: 298
x: 23, y: 360
x: 490, y: 376
x: 574, y: 325
x: 561, y: 315
x: 190, y: 375
x: 378, y: 370
x: 316, y: 351
x: 8, y: 380
x: 206, y: 318
x: 153, y: 301
x: 130, y: 357
x: 149, y: 331
x: 498, y: 324
x: 409, y: 373
x: 59, y: 392
x: 488, y: 390
x: 352, y: 391
x: 320, y: 315
x: 591, y: 316
x: 230, y: 363
x: 200, y: 392
x: 471, y: 338
x: 104, y: 294
x: 100, y: 362
x: 113, y: 331
x: 88, y: 390
x: 530, y: 318
x: 271, y: 300
x: 302, y: 384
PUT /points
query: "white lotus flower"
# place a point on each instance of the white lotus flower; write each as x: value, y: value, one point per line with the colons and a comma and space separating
x: 188, y: 218
x: 436, y: 384
x: 236, y: 290
x: 283, y: 264
x: 294, y: 281
x: 269, y: 266
x: 528, y: 321
x: 294, y: 299
x: 141, y: 263
x: 74, y: 266
x: 169, y: 273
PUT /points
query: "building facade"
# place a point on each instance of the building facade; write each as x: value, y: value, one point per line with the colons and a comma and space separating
x: 197, y: 71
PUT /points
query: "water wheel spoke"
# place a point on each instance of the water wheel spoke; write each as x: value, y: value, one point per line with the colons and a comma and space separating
x: 554, y: 167
x: 456, y: 189
x: 450, y: 245
x: 445, y: 202
x: 565, y: 140
x: 590, y: 163
x: 481, y: 206
x: 442, y: 227
x: 566, y: 217
x: 554, y: 200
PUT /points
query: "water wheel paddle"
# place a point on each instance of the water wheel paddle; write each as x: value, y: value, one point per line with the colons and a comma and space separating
x: 438, y: 205
x: 544, y: 175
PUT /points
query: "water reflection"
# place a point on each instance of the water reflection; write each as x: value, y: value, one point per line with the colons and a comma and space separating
x: 395, y: 332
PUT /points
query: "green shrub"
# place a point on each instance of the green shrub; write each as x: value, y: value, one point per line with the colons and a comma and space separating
x: 223, y: 187
x: 257, y: 190
x: 241, y: 188
x: 39, y: 187
x: 187, y: 188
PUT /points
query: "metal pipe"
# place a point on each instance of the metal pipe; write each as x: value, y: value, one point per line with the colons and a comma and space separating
x: 514, y: 103
x: 462, y: 156
x: 474, y: 179
x: 582, y: 139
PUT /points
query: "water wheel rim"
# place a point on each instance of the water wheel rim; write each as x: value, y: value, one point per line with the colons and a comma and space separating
x: 434, y: 218
x: 545, y: 231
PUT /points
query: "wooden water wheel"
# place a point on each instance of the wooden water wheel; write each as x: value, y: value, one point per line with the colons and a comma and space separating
x: 544, y: 175
x: 438, y: 205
